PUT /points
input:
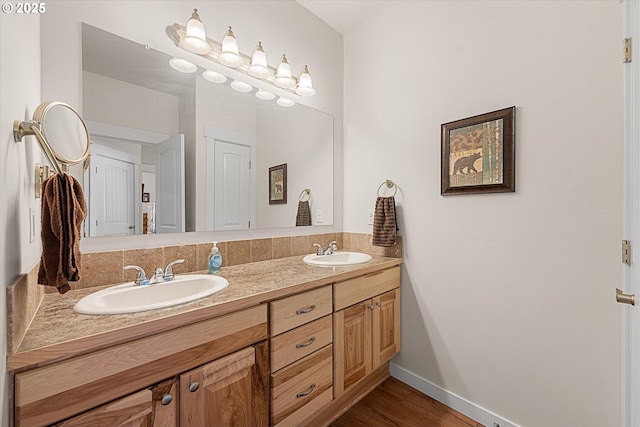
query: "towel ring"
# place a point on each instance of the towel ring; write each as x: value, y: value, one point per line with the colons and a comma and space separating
x: 302, y: 193
x: 389, y: 184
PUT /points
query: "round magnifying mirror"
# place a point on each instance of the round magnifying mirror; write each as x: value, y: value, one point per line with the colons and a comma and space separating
x: 64, y: 130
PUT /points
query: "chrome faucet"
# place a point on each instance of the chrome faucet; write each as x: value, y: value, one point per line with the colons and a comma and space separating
x: 319, y: 250
x: 168, y: 272
x: 159, y: 275
x: 331, y: 248
x: 141, y: 279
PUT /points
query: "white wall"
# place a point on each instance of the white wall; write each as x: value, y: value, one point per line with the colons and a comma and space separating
x: 20, y: 89
x: 282, y: 26
x: 112, y: 101
x: 507, y: 299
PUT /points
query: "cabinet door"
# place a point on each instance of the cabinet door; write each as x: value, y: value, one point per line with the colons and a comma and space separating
x: 147, y: 408
x: 220, y: 393
x: 352, y: 340
x: 385, y: 327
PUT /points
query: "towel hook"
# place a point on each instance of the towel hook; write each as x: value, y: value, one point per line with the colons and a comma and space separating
x: 306, y: 191
x: 389, y: 184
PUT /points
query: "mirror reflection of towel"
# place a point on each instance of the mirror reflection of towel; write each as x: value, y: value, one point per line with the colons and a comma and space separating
x: 63, y: 210
x: 384, y: 222
x: 303, y: 217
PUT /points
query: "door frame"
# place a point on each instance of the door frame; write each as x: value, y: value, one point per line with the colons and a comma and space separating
x: 631, y: 273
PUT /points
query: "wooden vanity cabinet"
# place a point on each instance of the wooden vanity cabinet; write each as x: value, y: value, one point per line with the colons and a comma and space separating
x: 124, y: 375
x: 366, y: 326
x: 153, y: 407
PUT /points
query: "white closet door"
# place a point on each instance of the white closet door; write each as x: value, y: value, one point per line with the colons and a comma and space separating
x: 232, y: 186
x: 170, y: 215
x: 111, y: 197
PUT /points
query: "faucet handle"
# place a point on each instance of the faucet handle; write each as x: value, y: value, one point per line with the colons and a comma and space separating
x: 168, y: 272
x: 141, y: 279
x: 319, y: 251
x: 333, y: 245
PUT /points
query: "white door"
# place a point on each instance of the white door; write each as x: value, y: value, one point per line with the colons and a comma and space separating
x: 631, y: 276
x: 232, y: 186
x: 111, y: 208
x: 170, y: 215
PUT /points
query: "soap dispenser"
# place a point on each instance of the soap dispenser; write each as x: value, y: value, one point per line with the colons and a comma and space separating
x: 215, y: 259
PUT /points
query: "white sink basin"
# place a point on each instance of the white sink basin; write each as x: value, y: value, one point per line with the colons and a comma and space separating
x: 129, y: 298
x: 337, y: 258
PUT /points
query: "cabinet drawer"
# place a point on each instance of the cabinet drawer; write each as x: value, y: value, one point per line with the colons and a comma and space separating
x: 299, y: 385
x: 359, y: 289
x: 300, y: 342
x: 291, y: 312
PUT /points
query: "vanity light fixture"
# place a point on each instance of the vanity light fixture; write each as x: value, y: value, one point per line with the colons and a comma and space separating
x: 214, y: 76
x: 305, y: 87
x: 264, y: 95
x: 182, y: 65
x: 230, y: 55
x: 241, y: 86
x: 259, y: 67
x: 283, y: 73
x: 285, y: 102
x: 195, y: 39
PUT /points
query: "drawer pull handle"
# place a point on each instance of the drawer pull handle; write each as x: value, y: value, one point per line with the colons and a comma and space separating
x: 379, y: 304
x: 306, y: 393
x: 166, y: 399
x: 307, y: 343
x: 371, y: 307
x: 194, y: 386
x: 306, y: 310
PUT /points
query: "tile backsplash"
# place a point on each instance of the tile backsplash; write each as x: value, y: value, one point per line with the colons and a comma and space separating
x: 104, y: 268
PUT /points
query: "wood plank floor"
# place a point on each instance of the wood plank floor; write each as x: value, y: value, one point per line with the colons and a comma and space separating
x: 395, y: 404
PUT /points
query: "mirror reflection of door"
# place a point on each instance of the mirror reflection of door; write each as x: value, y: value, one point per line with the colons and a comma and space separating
x: 232, y: 189
x: 170, y: 215
x: 111, y: 192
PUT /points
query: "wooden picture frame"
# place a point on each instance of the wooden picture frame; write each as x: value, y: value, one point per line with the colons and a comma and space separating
x: 478, y: 154
x: 278, y: 184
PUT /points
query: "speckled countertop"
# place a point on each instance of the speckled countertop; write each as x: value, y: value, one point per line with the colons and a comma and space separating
x: 58, y: 332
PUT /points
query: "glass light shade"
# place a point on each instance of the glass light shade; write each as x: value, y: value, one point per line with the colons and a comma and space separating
x: 182, y: 65
x: 305, y: 87
x: 283, y: 74
x: 214, y: 76
x: 264, y: 95
x: 285, y: 102
x: 196, y: 39
x: 230, y: 55
x: 241, y: 86
x: 258, y: 67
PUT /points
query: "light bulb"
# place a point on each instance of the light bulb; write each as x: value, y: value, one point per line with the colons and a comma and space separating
x: 241, y: 86
x: 258, y: 67
x: 195, y: 39
x: 264, y: 95
x: 230, y: 55
x: 285, y: 102
x: 283, y: 74
x: 305, y: 87
x: 214, y: 76
x: 182, y: 65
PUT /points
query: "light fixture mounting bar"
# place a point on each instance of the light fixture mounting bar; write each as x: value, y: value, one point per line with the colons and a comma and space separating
x: 176, y: 32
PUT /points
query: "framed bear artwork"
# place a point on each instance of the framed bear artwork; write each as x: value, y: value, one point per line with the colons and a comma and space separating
x: 278, y: 184
x: 478, y: 154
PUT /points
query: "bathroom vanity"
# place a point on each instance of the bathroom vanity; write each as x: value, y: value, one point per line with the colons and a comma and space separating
x: 285, y: 344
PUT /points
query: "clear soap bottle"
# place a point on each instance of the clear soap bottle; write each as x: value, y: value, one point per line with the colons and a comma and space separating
x: 215, y: 259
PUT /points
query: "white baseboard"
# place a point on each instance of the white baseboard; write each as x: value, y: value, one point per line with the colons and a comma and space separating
x: 452, y: 400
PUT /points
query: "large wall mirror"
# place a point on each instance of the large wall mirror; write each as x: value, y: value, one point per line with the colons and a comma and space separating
x: 174, y: 152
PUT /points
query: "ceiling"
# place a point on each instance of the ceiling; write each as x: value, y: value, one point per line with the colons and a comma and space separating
x: 342, y: 15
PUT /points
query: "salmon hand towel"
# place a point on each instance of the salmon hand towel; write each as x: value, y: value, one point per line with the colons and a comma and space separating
x: 63, y: 210
x: 384, y: 222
